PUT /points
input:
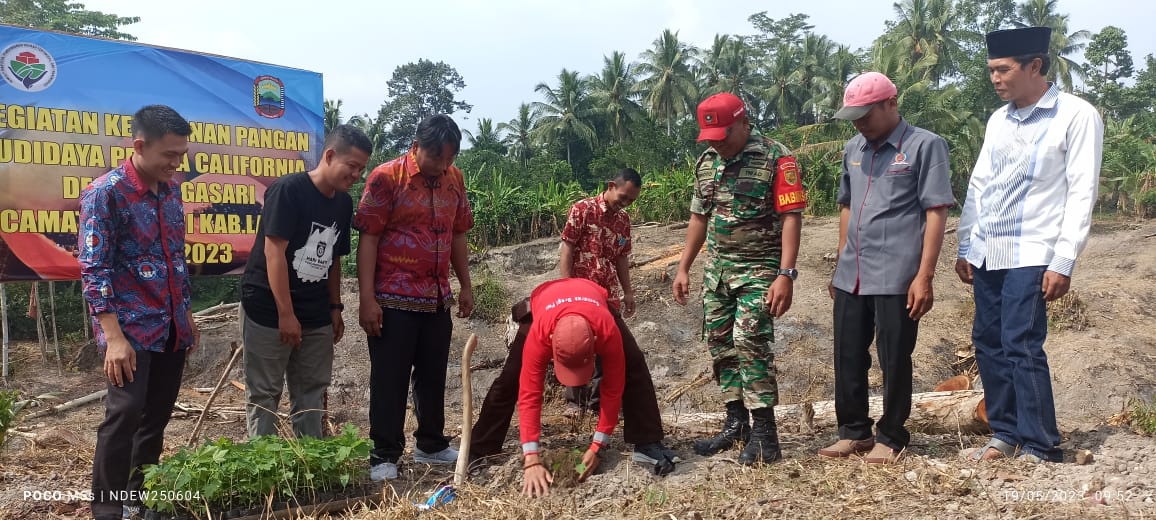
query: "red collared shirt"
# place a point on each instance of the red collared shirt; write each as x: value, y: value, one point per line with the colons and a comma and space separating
x: 132, y: 258
x: 600, y: 237
x: 417, y: 217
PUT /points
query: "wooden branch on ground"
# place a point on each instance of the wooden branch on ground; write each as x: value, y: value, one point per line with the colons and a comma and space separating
x: 703, y: 378
x: 75, y: 403
x: 931, y: 412
x: 220, y: 383
x: 645, y: 260
x: 219, y: 308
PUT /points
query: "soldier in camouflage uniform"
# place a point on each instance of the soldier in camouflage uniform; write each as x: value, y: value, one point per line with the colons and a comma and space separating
x: 747, y: 199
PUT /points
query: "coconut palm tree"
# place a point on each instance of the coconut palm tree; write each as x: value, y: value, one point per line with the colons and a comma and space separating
x: 814, y: 64
x: 923, y: 37
x: 783, y: 97
x: 517, y: 132
x: 565, y: 115
x: 332, y: 116
x: 614, y: 94
x: 1042, y: 13
x: 374, y: 129
x: 827, y: 93
x: 668, y: 81
x: 730, y: 65
x: 486, y: 137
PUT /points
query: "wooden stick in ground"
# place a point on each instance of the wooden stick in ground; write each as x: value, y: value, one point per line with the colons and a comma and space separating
x: 467, y: 413
x: 80, y: 401
x: 213, y: 396
x: 55, y: 332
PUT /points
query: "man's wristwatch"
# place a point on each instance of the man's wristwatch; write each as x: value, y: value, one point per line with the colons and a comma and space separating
x: 337, y: 306
x: 789, y: 273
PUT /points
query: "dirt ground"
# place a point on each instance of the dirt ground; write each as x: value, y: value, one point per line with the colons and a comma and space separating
x: 1102, y: 351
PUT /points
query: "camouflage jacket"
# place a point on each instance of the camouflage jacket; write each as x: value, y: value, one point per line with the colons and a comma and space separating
x: 743, y: 199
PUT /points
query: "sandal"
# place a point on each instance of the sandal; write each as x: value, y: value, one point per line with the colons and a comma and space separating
x: 1002, y: 449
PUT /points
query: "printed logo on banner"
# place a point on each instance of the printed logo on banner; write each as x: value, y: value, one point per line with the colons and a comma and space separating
x: 28, y: 67
x: 269, y: 96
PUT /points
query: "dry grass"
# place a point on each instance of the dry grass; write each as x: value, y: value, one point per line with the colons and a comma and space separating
x: 796, y: 488
x: 1068, y: 313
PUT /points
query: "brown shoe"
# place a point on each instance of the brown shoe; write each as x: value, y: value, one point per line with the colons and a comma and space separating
x: 846, y: 448
x: 883, y: 454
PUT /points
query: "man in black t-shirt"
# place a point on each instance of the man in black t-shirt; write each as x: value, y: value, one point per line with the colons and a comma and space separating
x: 291, y: 290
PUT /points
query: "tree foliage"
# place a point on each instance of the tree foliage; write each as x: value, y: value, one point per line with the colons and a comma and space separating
x: 576, y: 129
x: 61, y: 15
x: 416, y: 91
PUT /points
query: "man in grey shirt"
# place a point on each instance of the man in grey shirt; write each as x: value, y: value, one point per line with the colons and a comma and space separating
x: 893, y: 194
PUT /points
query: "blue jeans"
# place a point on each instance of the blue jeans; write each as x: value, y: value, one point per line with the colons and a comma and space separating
x: 1011, y: 324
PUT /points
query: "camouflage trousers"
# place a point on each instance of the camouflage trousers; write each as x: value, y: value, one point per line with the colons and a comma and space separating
x: 739, y: 331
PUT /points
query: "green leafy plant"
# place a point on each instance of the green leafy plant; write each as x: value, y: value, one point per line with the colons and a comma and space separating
x: 9, y: 407
x: 1142, y: 415
x: 491, y: 302
x: 224, y: 475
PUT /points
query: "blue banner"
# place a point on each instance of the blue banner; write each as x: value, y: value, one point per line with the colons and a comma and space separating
x: 66, y: 105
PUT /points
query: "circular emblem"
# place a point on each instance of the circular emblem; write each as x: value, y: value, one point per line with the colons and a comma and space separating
x: 28, y: 67
x: 900, y: 158
x: 147, y: 271
x: 92, y: 240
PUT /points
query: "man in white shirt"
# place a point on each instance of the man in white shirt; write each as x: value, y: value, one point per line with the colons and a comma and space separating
x: 1025, y: 220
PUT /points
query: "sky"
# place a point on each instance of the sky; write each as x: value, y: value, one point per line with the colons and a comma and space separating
x: 503, y: 48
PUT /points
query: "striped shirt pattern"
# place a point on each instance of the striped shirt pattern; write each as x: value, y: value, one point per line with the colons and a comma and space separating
x: 1030, y: 198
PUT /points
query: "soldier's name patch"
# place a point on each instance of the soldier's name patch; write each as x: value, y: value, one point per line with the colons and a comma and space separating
x: 761, y: 174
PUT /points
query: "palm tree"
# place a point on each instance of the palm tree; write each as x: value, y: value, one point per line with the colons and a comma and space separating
x: 709, y: 70
x: 923, y: 37
x: 783, y: 97
x: 518, y: 134
x: 668, y: 81
x: 565, y: 114
x: 614, y: 94
x: 832, y: 81
x: 730, y: 65
x: 814, y: 55
x: 332, y: 114
x: 486, y: 138
x: 1042, y: 13
x: 375, y: 129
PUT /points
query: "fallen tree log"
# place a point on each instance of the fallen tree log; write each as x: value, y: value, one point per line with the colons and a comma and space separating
x: 931, y: 412
x: 80, y: 401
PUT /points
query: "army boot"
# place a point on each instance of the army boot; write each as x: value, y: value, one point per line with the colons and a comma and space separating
x: 764, y: 444
x: 737, y: 427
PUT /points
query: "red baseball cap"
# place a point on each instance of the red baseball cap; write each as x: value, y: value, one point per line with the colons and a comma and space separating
x: 717, y: 113
x: 573, y: 343
x: 864, y: 91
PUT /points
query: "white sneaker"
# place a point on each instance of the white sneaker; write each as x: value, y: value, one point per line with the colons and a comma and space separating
x: 383, y: 471
x: 446, y: 456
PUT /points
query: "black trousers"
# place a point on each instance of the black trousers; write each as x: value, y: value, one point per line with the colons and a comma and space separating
x: 412, y: 346
x: 132, y: 434
x: 858, y: 320
x: 643, y: 423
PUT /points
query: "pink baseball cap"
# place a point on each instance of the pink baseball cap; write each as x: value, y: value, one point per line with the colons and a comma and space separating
x: 718, y: 112
x: 573, y: 343
x: 864, y: 91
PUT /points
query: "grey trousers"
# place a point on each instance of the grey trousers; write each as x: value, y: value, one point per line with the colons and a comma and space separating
x: 269, y: 364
